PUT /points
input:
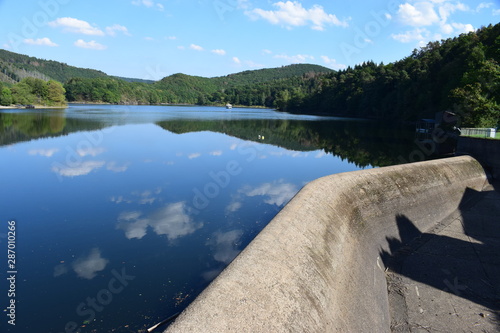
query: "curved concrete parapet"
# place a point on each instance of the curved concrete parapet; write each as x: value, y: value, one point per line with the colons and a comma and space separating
x: 316, y: 266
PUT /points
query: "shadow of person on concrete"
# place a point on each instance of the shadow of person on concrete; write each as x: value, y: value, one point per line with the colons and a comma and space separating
x: 462, y: 259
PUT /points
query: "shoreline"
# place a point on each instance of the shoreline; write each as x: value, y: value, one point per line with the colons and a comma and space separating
x: 15, y: 107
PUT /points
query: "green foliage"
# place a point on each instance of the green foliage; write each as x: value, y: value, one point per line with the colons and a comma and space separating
x: 258, y: 88
x: 478, y: 98
x: 459, y: 74
x: 34, y: 91
x: 5, y: 97
x: 15, y: 67
x: 55, y: 93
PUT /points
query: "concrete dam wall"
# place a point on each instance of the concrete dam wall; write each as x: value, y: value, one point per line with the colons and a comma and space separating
x: 317, y: 267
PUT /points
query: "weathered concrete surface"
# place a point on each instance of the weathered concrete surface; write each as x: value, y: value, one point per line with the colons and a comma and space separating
x: 317, y: 266
x: 450, y: 282
x: 486, y: 151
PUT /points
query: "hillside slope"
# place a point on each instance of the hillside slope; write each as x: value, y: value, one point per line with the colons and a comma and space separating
x: 14, y: 67
x: 460, y: 74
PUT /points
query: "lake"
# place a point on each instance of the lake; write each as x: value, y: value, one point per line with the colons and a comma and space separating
x: 123, y: 214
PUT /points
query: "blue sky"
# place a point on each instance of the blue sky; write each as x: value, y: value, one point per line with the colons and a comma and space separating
x: 150, y: 39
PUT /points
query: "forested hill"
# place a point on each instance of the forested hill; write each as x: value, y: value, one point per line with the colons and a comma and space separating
x: 252, y: 88
x: 270, y: 74
x: 460, y: 74
x: 14, y: 67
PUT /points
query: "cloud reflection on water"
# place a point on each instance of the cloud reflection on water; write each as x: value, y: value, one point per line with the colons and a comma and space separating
x: 81, y: 169
x: 43, y: 152
x: 85, y: 267
x: 171, y: 220
x: 275, y: 193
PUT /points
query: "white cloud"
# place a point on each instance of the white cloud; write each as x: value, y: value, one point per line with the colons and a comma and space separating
x: 236, y: 60
x: 92, y: 45
x: 82, y: 152
x: 266, y: 51
x: 226, y: 245
x: 289, y: 153
x: 418, y: 34
x: 233, y: 207
x: 332, y: 63
x: 139, y: 197
x: 81, y: 169
x: 171, y: 220
x: 171, y: 38
x: 40, y: 41
x: 291, y: 14
x: 216, y: 153
x: 431, y: 13
x: 447, y: 29
x: 463, y: 28
x: 496, y: 12
x: 448, y: 8
x: 44, y: 152
x: 70, y: 24
x: 60, y: 270
x: 112, y: 30
x: 196, y: 47
x: 149, y: 4
x: 112, y: 166
x: 299, y: 58
x: 275, y: 193
x: 321, y: 154
x: 484, y: 5
x: 219, y: 52
x: 87, y: 267
x: 194, y: 155
x: 181, y: 47
x: 420, y: 14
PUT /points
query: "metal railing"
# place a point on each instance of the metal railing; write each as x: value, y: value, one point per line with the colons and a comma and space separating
x: 479, y: 132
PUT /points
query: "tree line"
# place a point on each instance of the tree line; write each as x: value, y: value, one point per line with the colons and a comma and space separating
x: 459, y: 74
x: 33, y: 91
x: 250, y: 88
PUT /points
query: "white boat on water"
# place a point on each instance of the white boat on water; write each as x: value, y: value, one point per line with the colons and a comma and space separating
x: 229, y: 106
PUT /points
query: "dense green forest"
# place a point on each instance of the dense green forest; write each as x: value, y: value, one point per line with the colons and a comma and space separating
x: 33, y: 91
x: 251, y: 88
x: 460, y: 74
x: 14, y: 67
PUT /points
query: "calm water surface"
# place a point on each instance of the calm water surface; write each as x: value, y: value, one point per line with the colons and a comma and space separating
x: 125, y: 213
